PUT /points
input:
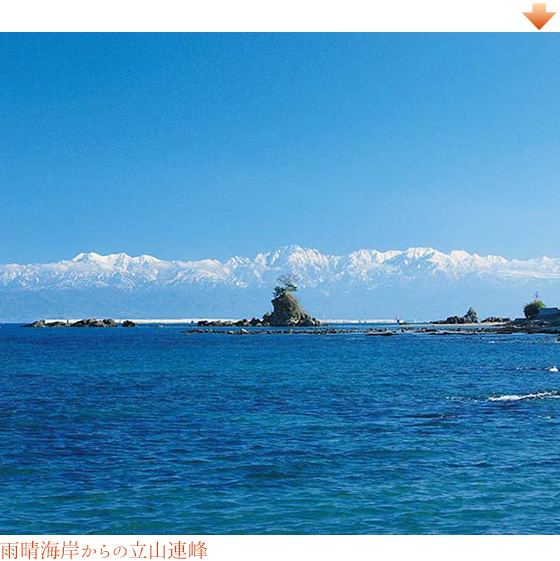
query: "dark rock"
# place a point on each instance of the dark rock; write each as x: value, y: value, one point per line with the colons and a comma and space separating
x: 88, y: 323
x: 450, y: 320
x: 43, y: 323
x: 95, y: 323
x: 470, y: 317
x: 39, y: 323
x: 128, y: 323
x: 219, y: 323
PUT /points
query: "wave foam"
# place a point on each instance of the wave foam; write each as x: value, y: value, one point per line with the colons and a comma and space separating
x: 542, y: 368
x: 541, y: 395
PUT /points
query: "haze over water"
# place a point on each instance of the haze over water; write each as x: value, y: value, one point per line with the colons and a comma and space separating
x: 149, y: 431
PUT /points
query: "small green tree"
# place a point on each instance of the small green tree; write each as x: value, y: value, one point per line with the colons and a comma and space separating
x: 286, y: 283
x: 533, y: 308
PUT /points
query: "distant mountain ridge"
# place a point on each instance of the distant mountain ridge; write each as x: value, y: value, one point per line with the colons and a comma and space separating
x: 417, y: 283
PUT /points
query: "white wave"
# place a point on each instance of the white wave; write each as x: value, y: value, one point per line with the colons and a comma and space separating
x: 540, y: 395
x: 546, y: 368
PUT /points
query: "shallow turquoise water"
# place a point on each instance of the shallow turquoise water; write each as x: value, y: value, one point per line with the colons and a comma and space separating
x: 149, y: 430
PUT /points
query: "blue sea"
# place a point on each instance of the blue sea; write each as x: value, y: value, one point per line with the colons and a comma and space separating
x: 152, y: 431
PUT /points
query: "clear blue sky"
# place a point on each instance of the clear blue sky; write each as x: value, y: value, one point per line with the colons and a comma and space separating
x: 190, y: 146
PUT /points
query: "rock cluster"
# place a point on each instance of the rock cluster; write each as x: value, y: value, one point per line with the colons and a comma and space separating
x: 95, y: 323
x: 383, y: 332
x: 92, y: 322
x: 43, y: 323
x: 38, y: 323
x: 531, y: 326
x: 495, y: 319
x: 324, y: 331
x: 286, y: 313
x: 254, y: 322
x: 470, y: 317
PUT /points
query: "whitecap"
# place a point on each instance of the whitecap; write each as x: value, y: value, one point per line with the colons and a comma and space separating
x: 540, y: 395
x: 545, y: 368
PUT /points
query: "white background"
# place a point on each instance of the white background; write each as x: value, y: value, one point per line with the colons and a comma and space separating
x: 271, y: 15
x: 335, y: 548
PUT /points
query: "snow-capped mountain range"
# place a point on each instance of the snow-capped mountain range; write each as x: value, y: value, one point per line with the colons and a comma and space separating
x: 417, y: 283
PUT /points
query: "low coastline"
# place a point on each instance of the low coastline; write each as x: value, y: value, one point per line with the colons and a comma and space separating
x: 194, y: 321
x: 387, y: 331
x: 331, y: 327
x: 390, y: 327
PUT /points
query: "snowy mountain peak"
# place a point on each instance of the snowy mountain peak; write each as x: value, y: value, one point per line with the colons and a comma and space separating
x: 120, y: 259
x: 88, y: 257
x: 311, y: 266
x: 367, y: 279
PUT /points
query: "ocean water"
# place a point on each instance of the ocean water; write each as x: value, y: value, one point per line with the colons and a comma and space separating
x: 152, y: 431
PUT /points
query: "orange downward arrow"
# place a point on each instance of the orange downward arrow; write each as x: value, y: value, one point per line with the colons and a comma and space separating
x: 539, y: 16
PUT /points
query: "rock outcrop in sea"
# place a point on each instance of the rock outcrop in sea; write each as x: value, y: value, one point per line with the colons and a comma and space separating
x: 38, y: 323
x: 91, y: 322
x: 43, y: 323
x: 470, y: 317
x: 287, y: 312
x: 496, y: 319
x: 95, y: 323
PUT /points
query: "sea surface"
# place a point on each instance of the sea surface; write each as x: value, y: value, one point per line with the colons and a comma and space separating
x: 152, y: 431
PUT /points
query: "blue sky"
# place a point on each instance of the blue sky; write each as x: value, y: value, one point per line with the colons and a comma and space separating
x: 189, y: 145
